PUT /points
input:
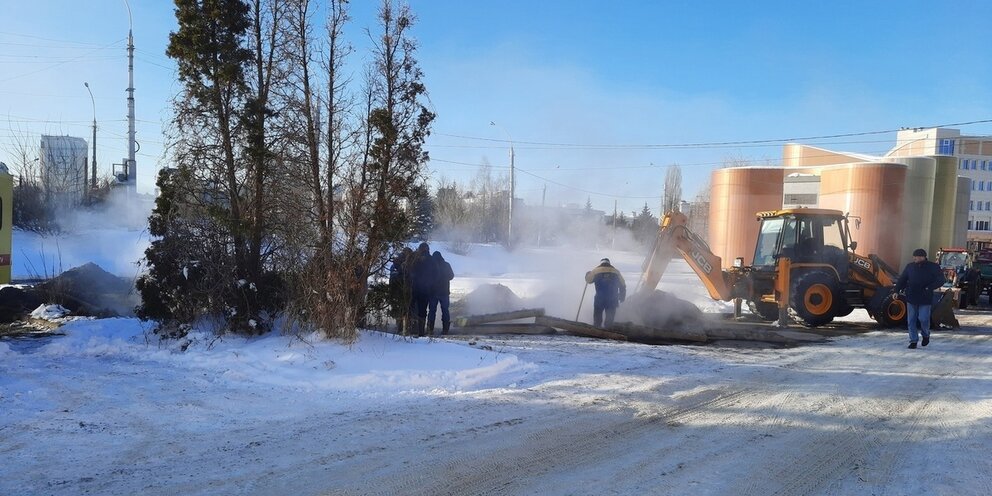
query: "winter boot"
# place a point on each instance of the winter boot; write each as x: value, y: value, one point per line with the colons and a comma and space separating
x: 912, y: 345
x: 445, y: 327
x: 926, y: 340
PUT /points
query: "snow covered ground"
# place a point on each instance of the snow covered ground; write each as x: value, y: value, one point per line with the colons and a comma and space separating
x: 106, y: 409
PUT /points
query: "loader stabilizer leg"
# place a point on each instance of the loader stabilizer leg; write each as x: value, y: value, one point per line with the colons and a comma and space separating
x: 942, y: 313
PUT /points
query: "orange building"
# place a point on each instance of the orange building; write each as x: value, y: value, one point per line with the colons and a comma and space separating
x: 902, y: 202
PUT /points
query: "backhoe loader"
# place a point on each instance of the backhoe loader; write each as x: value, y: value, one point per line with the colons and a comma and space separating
x: 822, y: 277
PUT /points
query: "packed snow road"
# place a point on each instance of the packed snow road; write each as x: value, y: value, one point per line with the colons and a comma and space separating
x: 560, y: 415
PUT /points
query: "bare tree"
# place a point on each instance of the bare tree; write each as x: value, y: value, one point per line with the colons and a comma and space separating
x: 370, y: 173
x: 672, y: 195
x: 490, y: 207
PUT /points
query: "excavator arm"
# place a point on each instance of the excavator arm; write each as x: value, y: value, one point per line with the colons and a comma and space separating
x: 675, y: 237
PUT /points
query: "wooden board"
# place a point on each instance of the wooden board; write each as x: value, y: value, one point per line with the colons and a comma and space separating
x: 486, y: 329
x: 579, y: 328
x: 472, y: 320
x: 765, y: 333
x: 643, y: 334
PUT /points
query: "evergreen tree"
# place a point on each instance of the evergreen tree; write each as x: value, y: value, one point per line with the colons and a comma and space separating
x: 209, y: 219
x: 645, y: 225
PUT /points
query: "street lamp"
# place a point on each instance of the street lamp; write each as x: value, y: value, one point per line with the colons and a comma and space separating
x: 93, y: 180
x: 509, y: 221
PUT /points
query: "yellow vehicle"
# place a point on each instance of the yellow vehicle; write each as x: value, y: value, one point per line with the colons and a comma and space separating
x: 6, y: 222
x: 823, y: 278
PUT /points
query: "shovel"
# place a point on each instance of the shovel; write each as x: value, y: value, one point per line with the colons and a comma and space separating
x: 580, y: 302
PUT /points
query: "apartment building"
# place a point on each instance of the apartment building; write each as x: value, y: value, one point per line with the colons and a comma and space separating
x: 974, y: 161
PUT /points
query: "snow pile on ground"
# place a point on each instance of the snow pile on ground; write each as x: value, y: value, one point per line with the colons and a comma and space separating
x: 49, y: 312
x: 377, y: 364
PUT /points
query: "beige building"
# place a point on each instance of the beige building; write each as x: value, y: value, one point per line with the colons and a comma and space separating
x: 973, y: 157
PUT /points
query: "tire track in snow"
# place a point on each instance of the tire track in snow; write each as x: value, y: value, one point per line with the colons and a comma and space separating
x: 567, y: 443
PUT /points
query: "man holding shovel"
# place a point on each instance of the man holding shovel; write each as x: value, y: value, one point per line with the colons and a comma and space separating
x: 610, y: 291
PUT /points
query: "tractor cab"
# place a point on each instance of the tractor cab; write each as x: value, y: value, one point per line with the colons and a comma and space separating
x: 954, y: 262
x: 805, y: 236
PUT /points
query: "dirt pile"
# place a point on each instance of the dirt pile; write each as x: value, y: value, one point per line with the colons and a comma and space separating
x: 85, y: 290
x: 661, y: 310
x: 488, y: 298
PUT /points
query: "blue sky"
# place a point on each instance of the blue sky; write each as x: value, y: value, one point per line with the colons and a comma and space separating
x: 586, y: 91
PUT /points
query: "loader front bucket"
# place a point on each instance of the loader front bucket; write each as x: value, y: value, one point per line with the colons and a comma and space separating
x: 942, y: 312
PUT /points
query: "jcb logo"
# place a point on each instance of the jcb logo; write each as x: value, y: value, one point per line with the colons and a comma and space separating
x: 701, y: 260
x: 864, y: 264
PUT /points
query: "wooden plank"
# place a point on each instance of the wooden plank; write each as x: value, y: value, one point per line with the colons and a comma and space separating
x: 485, y: 329
x: 472, y: 320
x: 644, y: 334
x: 767, y: 334
x: 579, y: 328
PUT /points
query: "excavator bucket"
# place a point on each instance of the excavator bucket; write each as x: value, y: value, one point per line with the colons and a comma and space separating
x: 942, y: 312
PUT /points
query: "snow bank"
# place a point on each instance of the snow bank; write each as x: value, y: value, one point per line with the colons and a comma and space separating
x: 377, y: 364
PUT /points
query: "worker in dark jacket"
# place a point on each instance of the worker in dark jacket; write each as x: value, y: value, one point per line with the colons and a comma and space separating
x: 919, y: 279
x: 423, y: 274
x: 399, y: 290
x: 610, y: 291
x: 440, y: 295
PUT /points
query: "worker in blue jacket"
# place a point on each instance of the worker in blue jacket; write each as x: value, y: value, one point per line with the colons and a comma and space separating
x: 610, y: 291
x: 919, y: 279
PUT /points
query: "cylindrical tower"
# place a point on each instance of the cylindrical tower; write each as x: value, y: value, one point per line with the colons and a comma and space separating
x: 736, y: 194
x: 917, y: 206
x: 945, y: 197
x: 961, y: 212
x: 874, y: 192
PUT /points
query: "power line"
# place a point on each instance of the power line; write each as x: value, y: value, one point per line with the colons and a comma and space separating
x: 649, y: 166
x: 7, y: 33
x: 707, y: 144
x: 56, y: 64
x: 594, y: 147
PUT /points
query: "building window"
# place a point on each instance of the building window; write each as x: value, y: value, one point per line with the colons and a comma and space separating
x: 960, y: 164
x: 946, y: 147
x: 969, y: 225
x: 987, y: 204
x: 983, y: 165
x: 971, y: 205
x: 974, y: 164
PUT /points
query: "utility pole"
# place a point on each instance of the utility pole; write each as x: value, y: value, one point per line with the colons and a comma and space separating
x: 509, y: 221
x: 613, y: 240
x: 540, y: 232
x: 93, y: 180
x: 132, y: 173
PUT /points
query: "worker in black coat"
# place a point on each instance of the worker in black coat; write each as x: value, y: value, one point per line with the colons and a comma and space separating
x: 423, y: 275
x: 610, y: 291
x: 400, y: 292
x: 441, y: 295
x: 919, y: 279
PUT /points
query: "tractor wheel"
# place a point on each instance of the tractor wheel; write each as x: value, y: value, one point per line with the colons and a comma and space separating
x: 814, y: 298
x: 891, y: 312
x: 764, y: 310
